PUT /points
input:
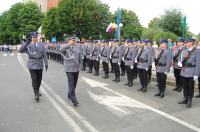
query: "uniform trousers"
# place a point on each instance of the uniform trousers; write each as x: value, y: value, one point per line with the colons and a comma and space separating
x: 188, y: 87
x: 116, y: 70
x: 129, y: 73
x: 72, y: 82
x: 96, y: 66
x: 143, y: 77
x: 161, y: 80
x: 177, y: 75
x: 36, y: 76
x: 105, y: 67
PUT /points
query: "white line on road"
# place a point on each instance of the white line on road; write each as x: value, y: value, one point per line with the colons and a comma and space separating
x: 66, y: 117
x: 94, y: 83
x: 69, y: 108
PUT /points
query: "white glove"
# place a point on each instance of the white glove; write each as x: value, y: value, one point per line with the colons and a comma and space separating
x: 135, y: 60
x: 97, y: 59
x: 165, y: 73
x: 147, y: 69
x: 131, y: 67
x: 195, y: 78
x: 110, y: 57
x: 106, y: 61
x: 123, y: 58
x: 119, y: 63
x: 82, y: 57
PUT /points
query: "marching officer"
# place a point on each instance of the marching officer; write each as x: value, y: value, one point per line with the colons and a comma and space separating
x: 129, y: 58
x: 190, y: 70
x: 72, y: 63
x: 163, y: 63
x: 37, y: 57
x: 96, y: 57
x: 89, y: 49
x: 116, y: 56
x: 105, y: 57
x: 143, y: 64
x: 177, y: 69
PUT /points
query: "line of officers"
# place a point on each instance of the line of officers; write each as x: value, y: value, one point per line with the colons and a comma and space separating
x: 135, y: 58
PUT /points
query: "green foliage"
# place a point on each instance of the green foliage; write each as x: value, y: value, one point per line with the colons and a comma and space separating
x: 154, y: 23
x: 50, y: 25
x: 131, y: 25
x: 18, y: 21
x: 150, y: 33
x: 85, y: 18
x: 165, y: 35
x: 171, y: 21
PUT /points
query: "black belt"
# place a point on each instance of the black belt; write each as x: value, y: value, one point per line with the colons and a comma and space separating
x: 104, y: 56
x: 35, y: 58
x: 115, y: 57
x: 128, y: 59
x: 161, y: 64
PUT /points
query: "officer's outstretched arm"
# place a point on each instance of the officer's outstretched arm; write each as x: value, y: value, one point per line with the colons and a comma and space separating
x: 23, y: 47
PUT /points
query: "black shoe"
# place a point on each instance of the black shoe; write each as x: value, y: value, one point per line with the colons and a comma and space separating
x: 179, y: 90
x: 141, y: 88
x: 162, y: 95
x: 184, y: 101
x: 197, y: 96
x: 75, y: 104
x: 37, y: 98
x: 130, y: 84
x: 127, y: 83
x: 189, y: 103
x: 114, y: 80
x: 118, y: 80
x: 158, y: 94
x: 175, y: 89
x: 106, y: 77
x: 144, y: 89
x: 123, y: 74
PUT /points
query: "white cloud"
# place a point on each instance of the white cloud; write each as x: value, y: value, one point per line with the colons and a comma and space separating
x: 6, y: 4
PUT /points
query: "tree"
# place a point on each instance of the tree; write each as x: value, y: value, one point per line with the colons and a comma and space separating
x: 50, y: 24
x: 150, y: 33
x: 154, y: 23
x: 165, y: 35
x: 131, y: 25
x: 18, y: 21
x: 171, y: 21
x: 84, y: 18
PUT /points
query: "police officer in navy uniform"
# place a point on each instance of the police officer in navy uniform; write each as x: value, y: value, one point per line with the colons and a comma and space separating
x: 143, y: 63
x: 190, y: 71
x: 72, y: 64
x: 116, y: 56
x: 177, y: 70
x: 37, y: 57
x: 163, y: 62
x: 151, y: 49
x: 129, y: 59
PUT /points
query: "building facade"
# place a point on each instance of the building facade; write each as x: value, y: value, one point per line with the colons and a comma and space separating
x: 52, y: 3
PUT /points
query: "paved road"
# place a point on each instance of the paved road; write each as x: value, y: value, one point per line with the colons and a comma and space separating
x: 105, y: 106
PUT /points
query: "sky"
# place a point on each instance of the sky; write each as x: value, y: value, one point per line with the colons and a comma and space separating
x: 146, y: 9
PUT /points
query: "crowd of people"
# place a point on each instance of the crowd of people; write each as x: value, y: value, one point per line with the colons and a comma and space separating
x: 135, y: 59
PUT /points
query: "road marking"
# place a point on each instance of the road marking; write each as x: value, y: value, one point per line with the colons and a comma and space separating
x: 5, y: 54
x: 12, y: 54
x: 2, y: 64
x: 117, y: 103
x: 94, y: 83
x: 64, y: 115
x: 69, y: 108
